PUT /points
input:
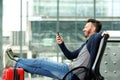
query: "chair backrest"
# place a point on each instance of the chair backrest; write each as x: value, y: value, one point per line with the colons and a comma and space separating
x: 95, y: 69
x: 97, y: 62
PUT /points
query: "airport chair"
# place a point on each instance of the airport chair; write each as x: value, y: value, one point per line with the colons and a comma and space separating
x: 93, y: 72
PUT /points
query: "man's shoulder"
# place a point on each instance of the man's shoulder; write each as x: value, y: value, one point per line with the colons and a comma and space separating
x: 95, y: 35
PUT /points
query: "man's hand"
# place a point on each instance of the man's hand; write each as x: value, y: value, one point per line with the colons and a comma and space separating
x: 103, y: 33
x: 59, y: 39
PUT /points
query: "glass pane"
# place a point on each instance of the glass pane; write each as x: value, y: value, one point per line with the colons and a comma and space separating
x: 43, y: 8
x: 107, y: 8
x: 85, y: 8
x: 78, y: 8
x: 43, y: 38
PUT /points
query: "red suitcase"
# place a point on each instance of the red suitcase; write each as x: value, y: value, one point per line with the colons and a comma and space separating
x: 13, y: 74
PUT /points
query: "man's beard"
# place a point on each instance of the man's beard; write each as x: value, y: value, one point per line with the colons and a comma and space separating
x: 87, y: 34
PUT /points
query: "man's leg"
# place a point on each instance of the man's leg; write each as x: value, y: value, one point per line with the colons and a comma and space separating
x: 43, y: 66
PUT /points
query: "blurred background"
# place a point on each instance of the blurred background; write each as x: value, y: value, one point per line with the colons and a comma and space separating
x: 30, y: 26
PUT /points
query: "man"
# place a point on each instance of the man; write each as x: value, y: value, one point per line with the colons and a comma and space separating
x: 80, y: 57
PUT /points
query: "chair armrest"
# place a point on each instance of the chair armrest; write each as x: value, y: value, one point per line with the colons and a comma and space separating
x: 83, y: 69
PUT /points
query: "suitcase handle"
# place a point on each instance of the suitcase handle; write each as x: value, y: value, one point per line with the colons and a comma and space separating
x: 16, y: 75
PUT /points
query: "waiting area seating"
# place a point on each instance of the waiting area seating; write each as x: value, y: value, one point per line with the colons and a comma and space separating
x: 92, y: 72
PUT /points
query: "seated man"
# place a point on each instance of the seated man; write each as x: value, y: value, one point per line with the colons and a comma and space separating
x: 79, y: 57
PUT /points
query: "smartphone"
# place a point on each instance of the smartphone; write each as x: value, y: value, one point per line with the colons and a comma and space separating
x: 58, y: 34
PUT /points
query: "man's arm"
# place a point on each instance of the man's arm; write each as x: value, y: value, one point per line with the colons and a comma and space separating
x: 70, y: 55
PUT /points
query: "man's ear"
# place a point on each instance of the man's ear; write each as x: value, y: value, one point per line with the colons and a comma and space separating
x: 93, y: 29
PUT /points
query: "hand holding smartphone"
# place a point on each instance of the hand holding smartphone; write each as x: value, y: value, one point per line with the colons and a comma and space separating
x: 59, y: 38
